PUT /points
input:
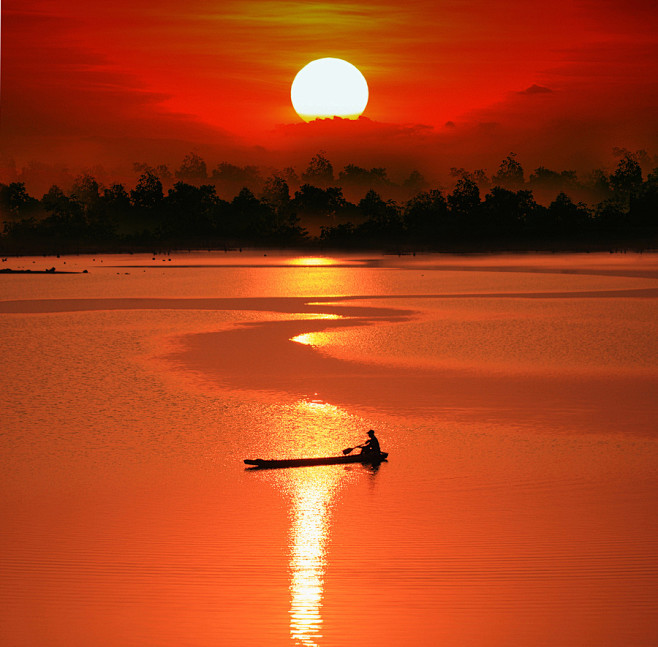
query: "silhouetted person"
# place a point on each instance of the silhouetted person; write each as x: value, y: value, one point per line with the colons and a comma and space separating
x: 372, y: 446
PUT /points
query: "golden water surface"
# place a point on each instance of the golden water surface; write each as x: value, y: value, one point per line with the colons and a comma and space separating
x: 515, y: 395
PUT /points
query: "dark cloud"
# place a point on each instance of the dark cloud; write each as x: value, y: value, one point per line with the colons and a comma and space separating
x: 536, y: 89
x: 363, y: 127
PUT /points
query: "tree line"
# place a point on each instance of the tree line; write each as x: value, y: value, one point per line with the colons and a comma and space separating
x: 478, y: 213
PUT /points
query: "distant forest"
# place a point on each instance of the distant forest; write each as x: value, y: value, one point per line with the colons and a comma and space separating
x: 234, y: 206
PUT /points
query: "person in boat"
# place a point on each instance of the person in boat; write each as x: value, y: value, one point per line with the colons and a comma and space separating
x: 372, y: 446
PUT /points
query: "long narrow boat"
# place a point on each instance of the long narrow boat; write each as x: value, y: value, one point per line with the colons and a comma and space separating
x: 366, y: 459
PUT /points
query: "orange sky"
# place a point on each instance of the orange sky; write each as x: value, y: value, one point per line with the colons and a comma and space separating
x: 560, y: 83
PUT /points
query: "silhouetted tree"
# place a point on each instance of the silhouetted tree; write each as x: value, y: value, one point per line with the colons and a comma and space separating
x: 383, y: 219
x: 194, y: 214
x: 161, y: 171
x: 566, y: 217
x: 191, y: 211
x: 652, y: 177
x: 458, y: 171
x: 627, y: 178
x: 415, y: 183
x: 356, y: 176
x: 510, y: 173
x: 597, y: 186
x: 481, y: 179
x: 100, y: 223
x: 86, y: 191
x: 643, y: 205
x: 426, y: 216
x: 66, y: 223
x: 641, y: 157
x: 54, y: 200
x: 545, y: 179
x: 62, y: 207
x: 379, y: 175
x: 319, y: 171
x: 24, y: 232
x: 507, y: 212
x: 611, y: 216
x: 342, y: 234
x: 276, y: 193
x: 315, y: 201
x: 231, y: 178
x: 117, y: 199
x: 290, y: 176
x: 15, y: 201
x: 352, y: 174
x: 147, y: 195
x: 117, y: 208
x: 478, y: 176
x: 464, y: 203
x: 286, y: 223
x: 251, y: 218
x: 192, y: 169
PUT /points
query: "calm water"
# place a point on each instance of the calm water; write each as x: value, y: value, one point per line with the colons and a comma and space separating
x: 516, y: 396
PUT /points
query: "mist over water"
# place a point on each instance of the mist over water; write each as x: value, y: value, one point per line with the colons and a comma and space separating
x: 516, y: 396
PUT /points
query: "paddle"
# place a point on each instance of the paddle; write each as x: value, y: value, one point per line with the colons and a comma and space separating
x: 351, y: 449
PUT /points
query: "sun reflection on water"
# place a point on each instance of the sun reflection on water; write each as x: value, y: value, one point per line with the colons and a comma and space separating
x: 312, y: 492
x: 308, y: 428
x: 306, y: 339
x: 311, y: 339
x: 308, y: 539
x: 312, y: 261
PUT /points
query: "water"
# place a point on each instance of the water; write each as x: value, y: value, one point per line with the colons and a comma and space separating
x: 516, y: 396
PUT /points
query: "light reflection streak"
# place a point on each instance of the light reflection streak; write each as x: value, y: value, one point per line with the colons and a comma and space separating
x: 310, y: 428
x: 306, y: 339
x: 310, y: 338
x: 313, y: 261
x: 308, y: 538
x: 312, y: 491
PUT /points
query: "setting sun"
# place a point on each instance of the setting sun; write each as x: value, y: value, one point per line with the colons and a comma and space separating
x: 329, y: 87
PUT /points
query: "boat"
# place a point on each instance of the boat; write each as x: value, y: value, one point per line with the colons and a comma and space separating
x: 365, y: 459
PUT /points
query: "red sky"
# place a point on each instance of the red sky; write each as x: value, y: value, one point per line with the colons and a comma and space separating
x: 110, y: 83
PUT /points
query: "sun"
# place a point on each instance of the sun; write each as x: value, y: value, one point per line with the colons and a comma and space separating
x: 329, y: 87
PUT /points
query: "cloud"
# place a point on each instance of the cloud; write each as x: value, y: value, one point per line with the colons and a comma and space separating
x: 361, y: 141
x: 363, y: 127
x: 63, y: 101
x: 536, y: 89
